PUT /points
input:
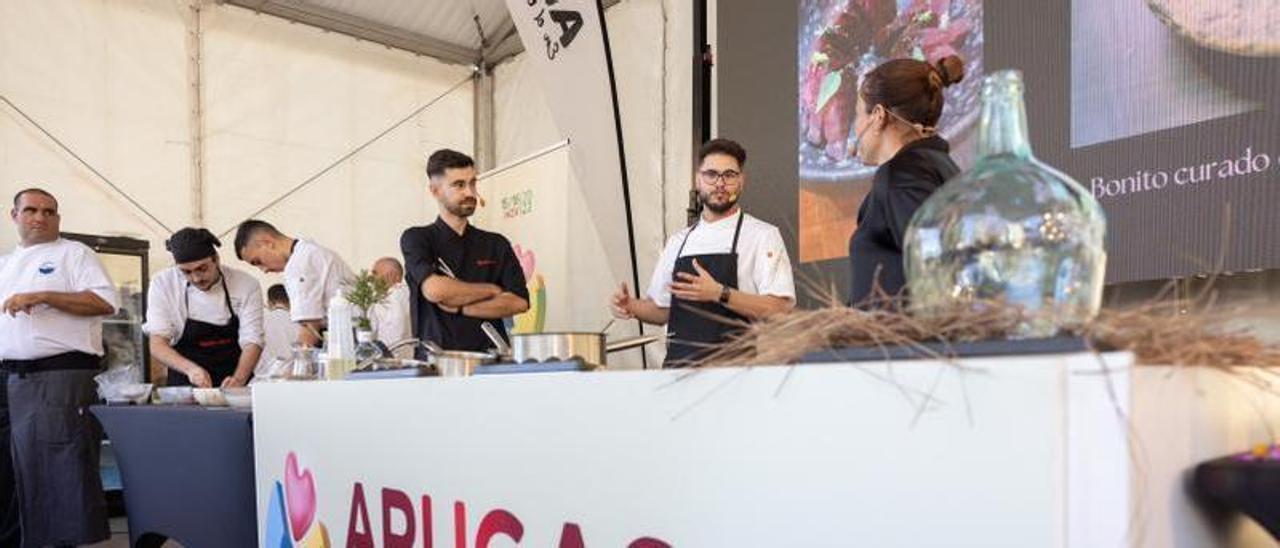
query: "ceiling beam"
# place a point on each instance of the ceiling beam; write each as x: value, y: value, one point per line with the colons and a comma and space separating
x: 364, y: 29
x: 505, y: 44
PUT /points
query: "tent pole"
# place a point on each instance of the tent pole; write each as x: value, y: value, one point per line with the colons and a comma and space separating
x: 703, y: 59
x: 195, y: 69
x: 482, y: 96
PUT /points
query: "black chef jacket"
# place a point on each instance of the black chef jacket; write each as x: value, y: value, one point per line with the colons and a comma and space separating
x: 477, y: 256
x: 899, y: 187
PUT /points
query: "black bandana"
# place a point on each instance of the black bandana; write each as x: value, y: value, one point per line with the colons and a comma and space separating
x: 192, y: 244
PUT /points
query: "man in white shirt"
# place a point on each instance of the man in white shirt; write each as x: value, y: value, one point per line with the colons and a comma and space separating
x: 278, y: 331
x: 312, y: 274
x: 54, y: 294
x: 728, y: 268
x: 204, y: 319
x: 391, y: 318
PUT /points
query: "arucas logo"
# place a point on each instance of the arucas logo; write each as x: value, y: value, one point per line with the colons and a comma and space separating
x: 291, y: 517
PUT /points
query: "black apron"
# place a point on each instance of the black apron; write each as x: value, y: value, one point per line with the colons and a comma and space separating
x: 216, y: 348
x: 690, y: 332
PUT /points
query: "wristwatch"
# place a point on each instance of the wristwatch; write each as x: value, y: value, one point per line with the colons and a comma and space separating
x: 724, y: 294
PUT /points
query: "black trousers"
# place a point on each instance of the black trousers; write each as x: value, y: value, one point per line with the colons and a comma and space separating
x: 55, y: 448
x: 8, y: 487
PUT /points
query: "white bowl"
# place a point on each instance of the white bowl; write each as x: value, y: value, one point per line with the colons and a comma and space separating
x: 239, y: 398
x: 176, y: 395
x: 210, y: 397
x: 138, y: 393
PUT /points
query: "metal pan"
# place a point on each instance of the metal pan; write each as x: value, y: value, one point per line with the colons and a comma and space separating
x: 589, y: 346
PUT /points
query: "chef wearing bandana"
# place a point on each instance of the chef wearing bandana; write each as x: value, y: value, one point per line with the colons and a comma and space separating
x: 204, y: 319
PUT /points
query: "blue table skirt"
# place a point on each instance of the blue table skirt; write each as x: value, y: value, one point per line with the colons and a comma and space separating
x: 187, y: 473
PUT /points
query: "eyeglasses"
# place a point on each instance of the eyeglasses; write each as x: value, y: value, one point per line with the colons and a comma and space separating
x: 711, y: 176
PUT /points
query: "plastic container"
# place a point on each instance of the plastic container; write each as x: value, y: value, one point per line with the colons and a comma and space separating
x: 129, y: 393
x: 340, y: 341
x: 210, y: 397
x: 176, y: 395
x: 239, y: 397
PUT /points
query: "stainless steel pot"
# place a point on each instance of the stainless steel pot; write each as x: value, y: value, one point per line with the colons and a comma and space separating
x: 448, y: 363
x: 453, y: 363
x: 591, y: 347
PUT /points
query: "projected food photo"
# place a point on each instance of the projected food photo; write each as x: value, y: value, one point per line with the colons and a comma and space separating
x: 1141, y: 66
x: 1244, y: 27
x: 839, y: 42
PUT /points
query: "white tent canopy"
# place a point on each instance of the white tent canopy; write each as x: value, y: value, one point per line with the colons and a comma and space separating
x: 206, y: 119
x: 196, y: 113
x: 463, y: 32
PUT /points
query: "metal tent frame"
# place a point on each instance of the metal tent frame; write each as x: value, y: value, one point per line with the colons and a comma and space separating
x: 490, y: 35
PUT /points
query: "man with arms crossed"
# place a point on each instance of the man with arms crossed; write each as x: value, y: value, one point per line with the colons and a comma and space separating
x: 461, y: 276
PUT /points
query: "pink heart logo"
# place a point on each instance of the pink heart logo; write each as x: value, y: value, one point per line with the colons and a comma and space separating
x: 300, y: 495
x: 528, y: 261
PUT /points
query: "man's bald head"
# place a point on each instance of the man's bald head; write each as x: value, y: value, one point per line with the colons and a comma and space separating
x: 388, y: 269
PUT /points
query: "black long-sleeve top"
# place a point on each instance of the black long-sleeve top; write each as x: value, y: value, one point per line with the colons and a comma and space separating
x: 900, y: 186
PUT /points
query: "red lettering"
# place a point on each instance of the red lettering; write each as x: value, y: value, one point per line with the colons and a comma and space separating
x: 571, y: 536
x: 428, y: 539
x: 498, y: 522
x: 355, y: 537
x: 393, y: 500
x: 460, y: 525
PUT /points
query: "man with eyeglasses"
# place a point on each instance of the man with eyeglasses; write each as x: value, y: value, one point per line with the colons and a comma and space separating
x: 204, y: 319
x: 726, y: 269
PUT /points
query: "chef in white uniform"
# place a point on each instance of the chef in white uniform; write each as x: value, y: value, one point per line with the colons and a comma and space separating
x: 204, y: 319
x: 313, y: 274
x: 54, y: 294
x: 391, y: 317
x: 278, y: 330
x: 727, y: 269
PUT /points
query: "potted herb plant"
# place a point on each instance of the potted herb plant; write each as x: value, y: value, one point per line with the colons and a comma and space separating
x: 365, y: 292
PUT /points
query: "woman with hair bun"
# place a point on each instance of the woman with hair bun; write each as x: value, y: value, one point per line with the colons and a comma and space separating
x: 895, y: 128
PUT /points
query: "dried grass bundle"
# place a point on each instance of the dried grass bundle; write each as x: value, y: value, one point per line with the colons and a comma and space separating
x: 1181, y: 332
x: 1184, y: 332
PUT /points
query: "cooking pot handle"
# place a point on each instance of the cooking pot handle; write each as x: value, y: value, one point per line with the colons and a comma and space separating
x: 431, y: 346
x: 629, y: 343
x: 503, y: 349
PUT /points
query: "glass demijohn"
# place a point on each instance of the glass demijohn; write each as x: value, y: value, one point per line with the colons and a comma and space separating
x: 1011, y: 229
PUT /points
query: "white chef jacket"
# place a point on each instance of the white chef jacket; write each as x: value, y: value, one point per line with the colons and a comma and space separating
x: 763, y: 265
x: 313, y: 275
x: 279, y: 334
x: 63, y: 266
x: 172, y: 300
x: 391, y: 318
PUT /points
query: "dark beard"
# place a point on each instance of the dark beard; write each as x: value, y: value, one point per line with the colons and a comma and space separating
x: 718, y: 208
x: 462, y: 209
